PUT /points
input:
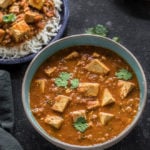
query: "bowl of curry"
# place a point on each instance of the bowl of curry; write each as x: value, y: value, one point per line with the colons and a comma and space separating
x: 84, y: 92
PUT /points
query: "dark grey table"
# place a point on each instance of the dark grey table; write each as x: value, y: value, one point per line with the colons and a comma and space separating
x: 134, y: 32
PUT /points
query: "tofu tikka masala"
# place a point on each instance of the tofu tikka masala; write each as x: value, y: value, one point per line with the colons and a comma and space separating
x: 20, y: 20
x: 84, y: 95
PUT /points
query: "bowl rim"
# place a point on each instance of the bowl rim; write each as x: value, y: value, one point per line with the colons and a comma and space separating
x: 59, y: 34
x: 115, y: 139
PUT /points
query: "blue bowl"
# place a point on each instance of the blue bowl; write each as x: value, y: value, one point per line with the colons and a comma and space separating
x: 64, y: 20
x: 83, y: 39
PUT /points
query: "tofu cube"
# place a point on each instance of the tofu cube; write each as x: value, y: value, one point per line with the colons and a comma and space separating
x: 2, y: 34
x: 31, y: 17
x: 98, y: 67
x: 54, y: 121
x: 93, y: 104
x: 5, y: 3
x: 19, y: 30
x: 14, y: 9
x: 105, y: 117
x: 61, y: 102
x: 1, y: 17
x: 96, y: 55
x: 89, y: 89
x: 77, y: 114
x: 125, y: 88
x: 49, y: 71
x: 107, y: 98
x: 38, y: 4
x: 42, y: 84
x: 72, y: 55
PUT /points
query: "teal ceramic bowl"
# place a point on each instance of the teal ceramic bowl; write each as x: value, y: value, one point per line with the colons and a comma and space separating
x: 83, y: 39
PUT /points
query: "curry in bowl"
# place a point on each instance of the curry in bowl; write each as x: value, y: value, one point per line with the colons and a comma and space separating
x: 84, y: 95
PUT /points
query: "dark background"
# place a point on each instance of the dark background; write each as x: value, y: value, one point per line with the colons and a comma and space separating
x: 129, y: 21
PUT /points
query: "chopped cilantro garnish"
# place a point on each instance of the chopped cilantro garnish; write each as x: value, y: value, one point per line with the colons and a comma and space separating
x: 116, y: 39
x: 65, y: 75
x: 74, y: 83
x: 102, y: 31
x: 98, y: 29
x: 80, y: 124
x: 63, y: 78
x: 123, y: 74
x: 9, y: 18
x: 61, y: 83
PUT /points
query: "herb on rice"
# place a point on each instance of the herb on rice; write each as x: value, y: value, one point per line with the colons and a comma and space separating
x: 9, y: 18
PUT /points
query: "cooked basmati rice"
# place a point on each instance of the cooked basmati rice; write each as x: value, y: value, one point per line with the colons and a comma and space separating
x: 36, y: 43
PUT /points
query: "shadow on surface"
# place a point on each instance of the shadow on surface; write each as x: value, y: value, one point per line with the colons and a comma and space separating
x: 136, y: 8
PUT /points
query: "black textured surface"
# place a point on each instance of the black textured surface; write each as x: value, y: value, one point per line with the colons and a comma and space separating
x: 133, y: 30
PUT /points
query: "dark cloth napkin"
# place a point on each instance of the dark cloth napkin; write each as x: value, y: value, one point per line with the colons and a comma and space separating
x: 7, y: 141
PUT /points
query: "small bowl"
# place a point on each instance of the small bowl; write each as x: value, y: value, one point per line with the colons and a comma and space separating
x: 83, y: 39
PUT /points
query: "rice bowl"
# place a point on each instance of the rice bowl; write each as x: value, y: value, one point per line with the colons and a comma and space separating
x: 27, y: 50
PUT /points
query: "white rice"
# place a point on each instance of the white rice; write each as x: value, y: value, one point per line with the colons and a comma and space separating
x: 36, y: 43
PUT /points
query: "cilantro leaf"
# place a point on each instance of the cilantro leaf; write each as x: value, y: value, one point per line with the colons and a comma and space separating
x: 9, y: 18
x: 63, y: 78
x: 98, y: 29
x: 74, y: 83
x: 61, y: 83
x: 123, y: 74
x: 65, y: 75
x: 80, y: 124
x: 116, y: 39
